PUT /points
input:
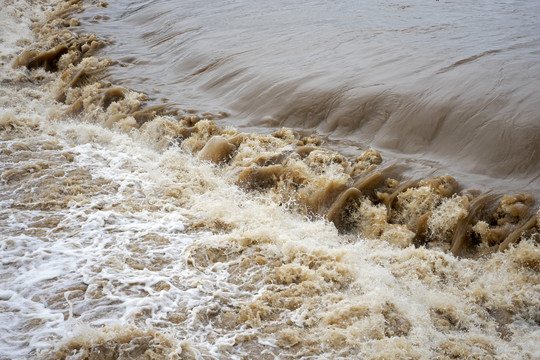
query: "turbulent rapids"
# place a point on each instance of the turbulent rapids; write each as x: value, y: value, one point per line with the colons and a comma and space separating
x: 153, y: 232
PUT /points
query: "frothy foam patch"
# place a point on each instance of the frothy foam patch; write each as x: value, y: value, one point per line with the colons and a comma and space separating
x: 16, y: 18
x: 103, y: 221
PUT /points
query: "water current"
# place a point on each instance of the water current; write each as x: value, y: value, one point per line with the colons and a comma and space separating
x: 270, y: 180
x: 439, y: 81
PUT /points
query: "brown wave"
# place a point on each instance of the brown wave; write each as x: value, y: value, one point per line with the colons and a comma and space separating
x: 473, y: 111
x: 289, y: 167
x: 474, y: 136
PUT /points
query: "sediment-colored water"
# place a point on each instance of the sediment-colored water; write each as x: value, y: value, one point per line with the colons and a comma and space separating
x: 197, y: 227
x: 446, y: 85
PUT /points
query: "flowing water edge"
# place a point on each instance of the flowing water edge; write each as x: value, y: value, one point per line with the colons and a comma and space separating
x: 134, y: 229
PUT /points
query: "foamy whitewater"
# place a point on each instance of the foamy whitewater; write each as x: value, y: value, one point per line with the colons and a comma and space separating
x: 131, y: 228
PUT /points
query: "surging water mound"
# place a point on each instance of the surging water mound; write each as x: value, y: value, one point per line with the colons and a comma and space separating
x: 360, y: 196
x: 263, y: 282
x: 432, y: 82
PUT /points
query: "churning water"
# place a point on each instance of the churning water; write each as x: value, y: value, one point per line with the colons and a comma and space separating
x: 273, y: 180
x: 449, y: 81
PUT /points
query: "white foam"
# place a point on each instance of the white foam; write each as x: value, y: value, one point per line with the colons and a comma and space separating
x: 102, y: 243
